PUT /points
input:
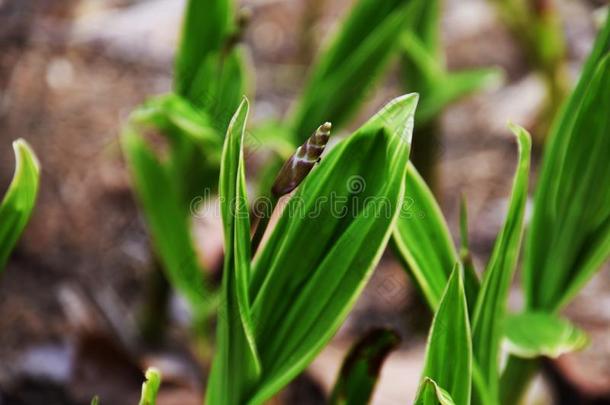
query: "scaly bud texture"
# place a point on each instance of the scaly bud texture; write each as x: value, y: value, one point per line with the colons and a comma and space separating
x: 301, y: 162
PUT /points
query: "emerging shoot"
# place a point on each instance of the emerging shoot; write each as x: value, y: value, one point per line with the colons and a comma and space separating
x: 301, y: 162
x: 294, y: 171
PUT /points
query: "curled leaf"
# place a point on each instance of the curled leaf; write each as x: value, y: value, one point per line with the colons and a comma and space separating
x: 533, y: 334
x: 422, y: 239
x: 18, y: 202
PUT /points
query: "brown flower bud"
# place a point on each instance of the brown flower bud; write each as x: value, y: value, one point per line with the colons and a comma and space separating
x: 301, y: 162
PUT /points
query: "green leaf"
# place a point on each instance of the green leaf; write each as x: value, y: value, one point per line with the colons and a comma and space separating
x: 361, y: 367
x: 236, y: 367
x: 18, y: 202
x: 95, y: 400
x: 350, y: 65
x: 431, y: 394
x: 209, y: 67
x: 205, y: 27
x: 326, y: 243
x: 570, y: 233
x: 472, y: 285
x: 421, y: 68
x: 167, y: 219
x: 566, y: 118
x: 422, y: 239
x: 150, y: 387
x: 424, y: 24
x: 423, y: 62
x: 175, y: 116
x: 449, y: 349
x: 219, y: 85
x: 487, y: 325
x: 533, y: 334
x: 194, y: 144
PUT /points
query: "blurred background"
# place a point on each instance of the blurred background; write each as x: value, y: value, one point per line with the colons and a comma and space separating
x: 71, y: 295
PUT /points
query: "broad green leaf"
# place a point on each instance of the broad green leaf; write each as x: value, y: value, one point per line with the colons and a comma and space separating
x: 533, y: 334
x: 361, y: 367
x: 236, y: 367
x: 570, y: 232
x: 431, y: 394
x: 167, y: 218
x: 422, y: 239
x: 487, y: 325
x: 95, y: 400
x: 205, y: 26
x: 150, y: 387
x: 326, y: 243
x: 449, y: 349
x: 18, y: 202
x: 350, y: 65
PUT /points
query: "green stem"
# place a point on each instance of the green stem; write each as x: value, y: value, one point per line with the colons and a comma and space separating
x: 516, y: 378
x: 261, y: 226
x: 154, y: 315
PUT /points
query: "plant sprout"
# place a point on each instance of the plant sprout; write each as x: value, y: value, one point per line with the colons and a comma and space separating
x: 18, y: 202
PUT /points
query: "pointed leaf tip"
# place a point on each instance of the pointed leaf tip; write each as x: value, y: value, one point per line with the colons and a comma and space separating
x: 397, y: 116
x: 449, y: 351
x: 522, y: 135
x: 21, y: 146
x: 430, y: 393
x: 18, y: 202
